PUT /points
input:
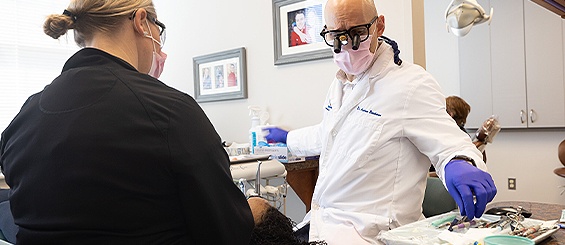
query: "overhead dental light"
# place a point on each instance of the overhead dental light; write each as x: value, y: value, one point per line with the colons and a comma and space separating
x: 461, y: 15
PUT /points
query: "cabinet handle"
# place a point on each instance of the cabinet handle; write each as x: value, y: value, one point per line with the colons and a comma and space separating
x: 532, y: 115
x: 522, y: 120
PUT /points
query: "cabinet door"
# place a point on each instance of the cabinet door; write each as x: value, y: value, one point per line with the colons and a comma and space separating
x: 475, y: 71
x: 544, y: 67
x: 508, y: 63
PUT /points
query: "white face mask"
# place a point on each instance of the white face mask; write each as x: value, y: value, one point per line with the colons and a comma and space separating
x: 158, y: 61
x: 355, y: 62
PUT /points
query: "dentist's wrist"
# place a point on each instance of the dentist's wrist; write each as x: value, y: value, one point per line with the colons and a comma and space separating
x: 466, y: 158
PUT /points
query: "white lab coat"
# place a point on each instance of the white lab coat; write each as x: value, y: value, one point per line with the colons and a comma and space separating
x: 375, y: 151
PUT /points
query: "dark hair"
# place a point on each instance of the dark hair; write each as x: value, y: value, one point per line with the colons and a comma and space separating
x: 274, y: 229
x: 458, y: 109
x: 299, y: 12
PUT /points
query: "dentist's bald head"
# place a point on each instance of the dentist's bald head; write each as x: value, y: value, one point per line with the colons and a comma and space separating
x: 344, y: 14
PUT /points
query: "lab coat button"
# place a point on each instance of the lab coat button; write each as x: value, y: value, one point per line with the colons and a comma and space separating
x: 334, y: 133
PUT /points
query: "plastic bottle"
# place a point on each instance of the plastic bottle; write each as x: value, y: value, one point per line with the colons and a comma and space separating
x: 255, y: 132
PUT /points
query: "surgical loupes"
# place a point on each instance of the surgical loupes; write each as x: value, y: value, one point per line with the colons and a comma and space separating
x: 339, y: 41
x: 356, y: 42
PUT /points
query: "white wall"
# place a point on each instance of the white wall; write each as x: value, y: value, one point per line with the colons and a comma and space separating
x: 530, y: 156
x: 293, y: 94
x: 442, y: 49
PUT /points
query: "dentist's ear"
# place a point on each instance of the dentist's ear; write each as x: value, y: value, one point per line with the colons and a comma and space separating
x: 380, y: 25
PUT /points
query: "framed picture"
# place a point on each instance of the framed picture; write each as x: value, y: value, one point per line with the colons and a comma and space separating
x: 220, y: 76
x: 296, y: 30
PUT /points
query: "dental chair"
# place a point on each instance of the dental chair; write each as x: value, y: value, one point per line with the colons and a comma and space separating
x: 436, y: 199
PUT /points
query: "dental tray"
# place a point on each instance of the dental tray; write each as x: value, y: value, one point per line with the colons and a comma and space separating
x: 248, y: 158
x: 423, y: 232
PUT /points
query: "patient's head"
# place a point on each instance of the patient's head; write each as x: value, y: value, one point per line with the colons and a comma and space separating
x: 458, y: 109
x: 271, y: 226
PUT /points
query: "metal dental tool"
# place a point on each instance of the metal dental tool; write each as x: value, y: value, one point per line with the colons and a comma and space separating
x: 258, y: 179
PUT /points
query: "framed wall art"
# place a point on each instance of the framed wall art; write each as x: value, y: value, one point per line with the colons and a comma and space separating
x: 296, y: 31
x: 220, y: 76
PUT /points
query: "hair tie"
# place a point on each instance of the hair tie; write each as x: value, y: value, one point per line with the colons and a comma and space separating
x: 68, y: 13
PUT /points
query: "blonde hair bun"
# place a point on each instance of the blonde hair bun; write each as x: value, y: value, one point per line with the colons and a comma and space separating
x: 57, y: 25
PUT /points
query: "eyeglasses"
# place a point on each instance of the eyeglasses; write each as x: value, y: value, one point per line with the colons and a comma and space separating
x: 162, y: 30
x: 159, y: 24
x: 361, y: 30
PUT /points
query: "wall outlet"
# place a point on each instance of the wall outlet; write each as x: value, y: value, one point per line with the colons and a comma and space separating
x: 511, y: 183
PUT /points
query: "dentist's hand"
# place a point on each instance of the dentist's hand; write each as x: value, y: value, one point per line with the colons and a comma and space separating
x: 463, y: 180
x: 276, y: 135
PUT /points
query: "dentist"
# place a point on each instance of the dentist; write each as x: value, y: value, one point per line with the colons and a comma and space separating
x: 384, y: 122
x: 108, y: 154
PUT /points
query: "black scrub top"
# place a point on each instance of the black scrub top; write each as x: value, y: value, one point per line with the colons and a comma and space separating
x: 108, y: 155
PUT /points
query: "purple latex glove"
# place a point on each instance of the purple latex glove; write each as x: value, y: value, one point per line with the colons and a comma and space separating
x: 276, y: 135
x: 463, y: 180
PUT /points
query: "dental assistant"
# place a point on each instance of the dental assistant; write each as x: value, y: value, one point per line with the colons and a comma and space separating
x: 108, y: 154
x: 384, y: 121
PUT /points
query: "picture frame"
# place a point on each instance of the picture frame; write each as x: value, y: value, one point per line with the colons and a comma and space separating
x: 296, y: 31
x: 220, y: 76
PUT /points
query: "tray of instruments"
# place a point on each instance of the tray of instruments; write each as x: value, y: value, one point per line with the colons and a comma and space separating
x: 434, y: 230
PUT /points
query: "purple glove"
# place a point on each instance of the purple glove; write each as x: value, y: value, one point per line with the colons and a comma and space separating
x: 463, y: 180
x: 276, y: 135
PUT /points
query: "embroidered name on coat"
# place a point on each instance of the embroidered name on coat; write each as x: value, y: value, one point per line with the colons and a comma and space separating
x: 368, y: 111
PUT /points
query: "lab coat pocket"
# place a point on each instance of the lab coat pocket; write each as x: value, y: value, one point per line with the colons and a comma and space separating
x: 353, y: 227
x: 363, y: 133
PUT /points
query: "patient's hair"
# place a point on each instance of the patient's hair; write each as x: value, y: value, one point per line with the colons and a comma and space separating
x: 458, y: 109
x: 274, y: 229
x: 87, y: 17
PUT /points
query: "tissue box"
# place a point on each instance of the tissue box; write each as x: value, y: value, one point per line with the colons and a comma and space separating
x: 282, y: 154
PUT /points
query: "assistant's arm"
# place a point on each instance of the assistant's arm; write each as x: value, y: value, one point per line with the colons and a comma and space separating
x: 215, y: 210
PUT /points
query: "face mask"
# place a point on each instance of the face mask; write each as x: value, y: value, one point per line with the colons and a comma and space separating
x: 158, y: 62
x: 355, y: 62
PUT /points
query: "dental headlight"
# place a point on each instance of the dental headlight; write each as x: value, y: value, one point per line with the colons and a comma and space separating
x: 461, y: 15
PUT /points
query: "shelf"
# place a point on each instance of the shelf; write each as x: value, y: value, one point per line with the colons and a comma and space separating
x: 555, y: 6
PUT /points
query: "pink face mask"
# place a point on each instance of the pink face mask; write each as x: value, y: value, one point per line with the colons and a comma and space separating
x: 158, y: 62
x: 355, y: 62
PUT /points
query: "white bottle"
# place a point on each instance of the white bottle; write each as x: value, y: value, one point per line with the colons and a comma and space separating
x: 255, y: 133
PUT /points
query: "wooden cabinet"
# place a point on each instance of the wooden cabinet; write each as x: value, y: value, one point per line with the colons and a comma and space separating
x: 302, y: 177
x: 514, y: 67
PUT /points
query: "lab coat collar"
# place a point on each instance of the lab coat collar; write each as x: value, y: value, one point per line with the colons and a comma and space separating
x: 384, y: 54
